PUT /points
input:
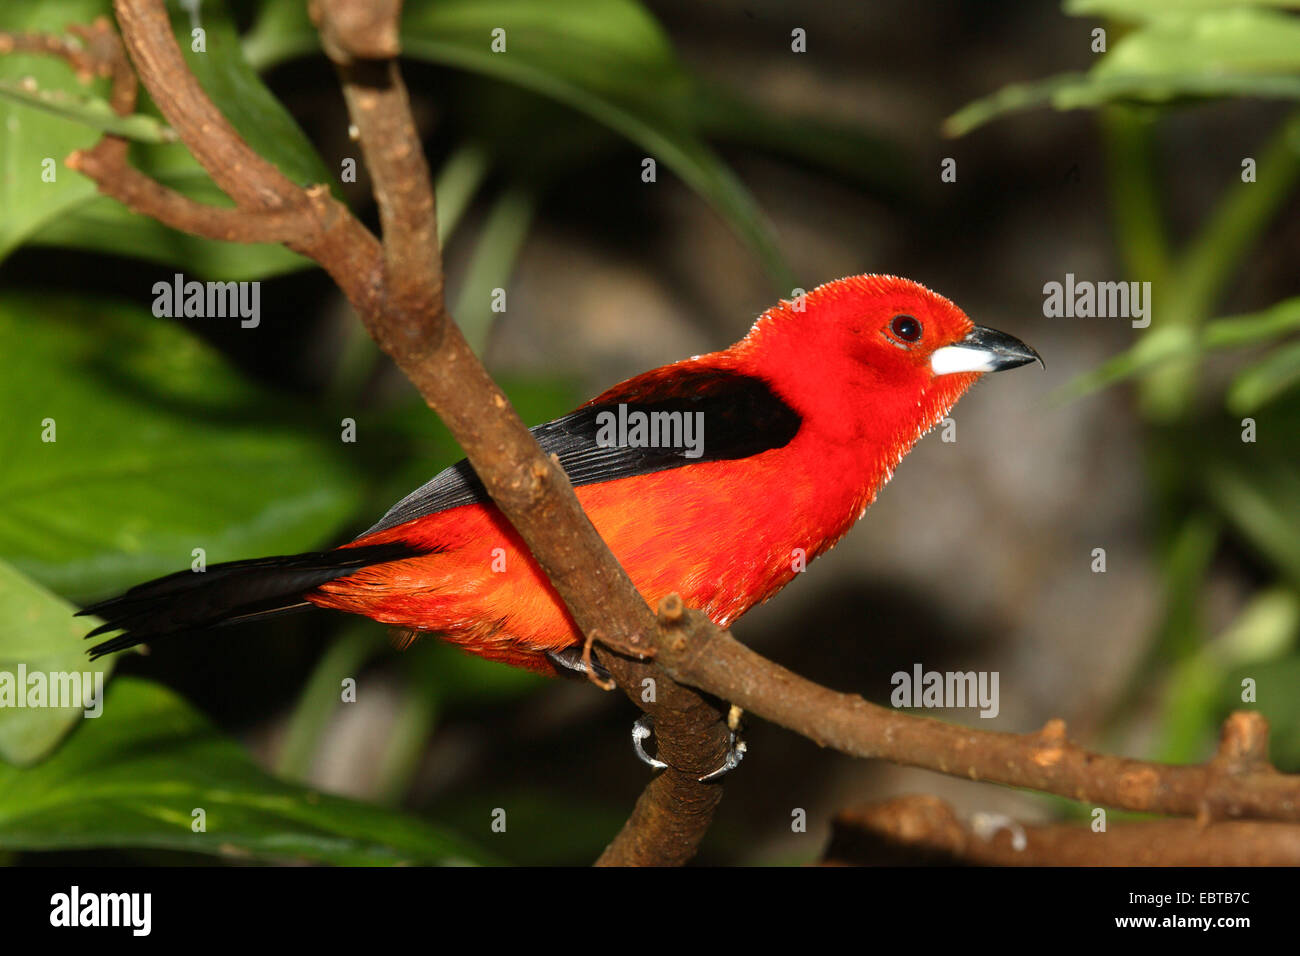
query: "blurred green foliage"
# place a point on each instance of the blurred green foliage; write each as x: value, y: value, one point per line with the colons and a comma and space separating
x: 1222, y: 450
x: 139, y: 775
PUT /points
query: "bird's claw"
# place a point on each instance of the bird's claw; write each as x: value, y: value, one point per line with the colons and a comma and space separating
x: 735, y: 754
x: 643, y: 729
x: 569, y: 662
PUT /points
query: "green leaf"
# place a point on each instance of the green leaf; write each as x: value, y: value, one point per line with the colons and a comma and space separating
x: 1219, y: 52
x: 135, y: 777
x: 608, y: 59
x: 456, y: 184
x: 1265, y: 381
x: 39, y: 634
x: 239, y: 93
x: 1151, y: 9
x: 1279, y: 319
x: 1160, y: 345
x: 30, y: 136
x: 160, y: 448
x: 1168, y: 343
x: 69, y: 212
x: 1233, y: 42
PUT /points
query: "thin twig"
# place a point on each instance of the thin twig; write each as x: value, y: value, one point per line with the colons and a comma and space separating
x: 924, y: 829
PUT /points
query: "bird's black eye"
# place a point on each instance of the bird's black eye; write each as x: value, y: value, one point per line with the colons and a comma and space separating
x: 906, y: 328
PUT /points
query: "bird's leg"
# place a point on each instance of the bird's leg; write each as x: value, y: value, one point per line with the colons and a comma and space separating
x: 644, y: 729
x: 733, y: 717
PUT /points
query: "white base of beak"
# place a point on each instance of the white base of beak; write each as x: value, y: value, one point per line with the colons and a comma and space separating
x: 960, y: 358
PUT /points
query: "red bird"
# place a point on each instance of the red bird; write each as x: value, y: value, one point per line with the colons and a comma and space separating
x: 717, y: 477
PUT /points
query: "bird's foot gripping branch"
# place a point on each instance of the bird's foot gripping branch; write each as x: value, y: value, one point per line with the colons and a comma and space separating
x: 696, y: 668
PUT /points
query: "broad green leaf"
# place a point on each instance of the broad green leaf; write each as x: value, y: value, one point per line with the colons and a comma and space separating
x: 135, y: 777
x: 39, y: 634
x: 608, y: 59
x: 160, y: 448
x: 28, y: 137
x: 70, y: 212
x: 1222, y: 52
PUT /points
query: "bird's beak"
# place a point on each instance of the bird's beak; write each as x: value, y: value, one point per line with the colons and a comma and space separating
x: 984, y: 350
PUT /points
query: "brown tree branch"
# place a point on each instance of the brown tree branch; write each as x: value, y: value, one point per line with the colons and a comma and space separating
x: 924, y: 829
x: 107, y: 164
x: 675, y: 810
x: 1238, y: 782
x: 380, y: 109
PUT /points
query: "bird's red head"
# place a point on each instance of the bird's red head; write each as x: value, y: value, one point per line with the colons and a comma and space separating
x: 874, y: 357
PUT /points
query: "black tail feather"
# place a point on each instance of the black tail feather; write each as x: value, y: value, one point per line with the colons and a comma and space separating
x: 227, y: 594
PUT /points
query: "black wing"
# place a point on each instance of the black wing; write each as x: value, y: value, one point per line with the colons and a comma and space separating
x: 742, y: 417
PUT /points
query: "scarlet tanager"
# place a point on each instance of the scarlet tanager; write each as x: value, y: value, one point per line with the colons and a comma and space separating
x: 793, y: 431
